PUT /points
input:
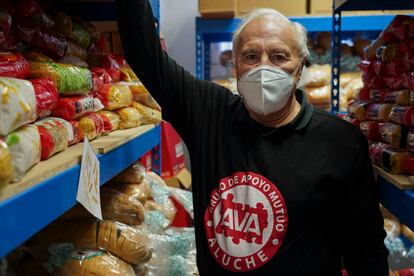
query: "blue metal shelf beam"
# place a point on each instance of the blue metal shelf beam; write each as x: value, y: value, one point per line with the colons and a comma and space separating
x: 26, y: 213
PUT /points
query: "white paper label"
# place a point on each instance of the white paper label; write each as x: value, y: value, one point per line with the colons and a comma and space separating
x: 88, y: 188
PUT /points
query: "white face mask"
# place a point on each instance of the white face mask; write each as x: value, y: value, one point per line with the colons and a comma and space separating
x: 266, y: 89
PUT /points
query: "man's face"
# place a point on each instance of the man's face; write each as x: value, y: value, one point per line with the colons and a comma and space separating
x: 267, y: 42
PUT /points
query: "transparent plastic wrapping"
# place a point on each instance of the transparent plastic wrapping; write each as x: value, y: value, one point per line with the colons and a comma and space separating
x: 141, y: 191
x: 185, y: 198
x: 140, y: 94
x: 388, y: 157
x: 129, y: 117
x: 17, y: 105
x: 127, y: 74
x: 24, y: 147
x: 120, y: 207
x: 370, y: 129
x: 392, y: 227
x: 391, y: 133
x: 317, y: 75
x: 115, y: 96
x: 402, y: 115
x: 47, y: 96
x: 175, y: 265
x: 127, y: 243
x: 5, y: 164
x: 55, y: 134
x: 111, y: 120
x: 401, y: 97
x: 132, y: 174
x: 13, y: 65
x: 318, y: 95
x: 149, y: 115
x: 94, y: 262
x: 92, y: 126
x: 76, y: 107
x: 408, y: 233
x: 77, y: 133
x: 378, y: 112
x: 358, y: 109
x: 69, y: 79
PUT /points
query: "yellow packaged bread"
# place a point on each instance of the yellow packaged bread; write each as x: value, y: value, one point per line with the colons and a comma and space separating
x: 129, y: 117
x: 129, y: 244
x: 141, y: 191
x: 6, y: 167
x: 149, y: 115
x: 132, y: 174
x: 94, y: 263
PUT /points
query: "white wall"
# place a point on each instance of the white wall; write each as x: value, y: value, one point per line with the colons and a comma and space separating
x: 178, y: 27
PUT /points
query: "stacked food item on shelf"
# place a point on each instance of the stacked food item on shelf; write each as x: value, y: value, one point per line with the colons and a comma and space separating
x: 134, y: 237
x: 58, y: 84
x: 383, y: 109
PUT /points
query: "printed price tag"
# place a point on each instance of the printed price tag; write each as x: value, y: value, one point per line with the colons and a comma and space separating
x: 88, y: 188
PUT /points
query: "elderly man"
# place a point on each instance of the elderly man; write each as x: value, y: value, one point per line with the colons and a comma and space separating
x: 280, y: 188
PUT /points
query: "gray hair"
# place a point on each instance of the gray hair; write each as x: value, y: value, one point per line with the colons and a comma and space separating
x: 300, y: 31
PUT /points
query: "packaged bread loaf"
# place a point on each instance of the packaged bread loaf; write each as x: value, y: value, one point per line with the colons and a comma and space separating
x: 378, y: 95
x: 46, y: 96
x: 91, y: 125
x: 115, y: 96
x: 409, y: 165
x: 378, y: 112
x: 402, y: 115
x: 410, y: 141
x: 358, y: 109
x: 401, y: 97
x: 318, y: 75
x: 363, y: 94
x: 24, y: 147
x: 318, y: 95
x: 110, y: 119
x: 17, y: 105
x: 141, y: 191
x: 127, y: 243
x: 13, y: 65
x: 408, y: 233
x: 132, y: 174
x: 388, y: 157
x: 94, y: 263
x: 351, y: 120
x: 392, y: 133
x: 149, y: 115
x: 75, y: 107
x: 129, y: 117
x: 140, y: 94
x: 5, y: 164
x: 370, y: 129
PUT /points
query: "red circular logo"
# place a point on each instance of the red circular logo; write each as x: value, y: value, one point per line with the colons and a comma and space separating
x: 245, y: 222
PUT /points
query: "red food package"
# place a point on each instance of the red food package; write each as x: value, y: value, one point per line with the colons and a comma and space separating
x: 14, y: 65
x: 112, y: 66
x: 378, y: 111
x: 52, y: 45
x: 402, y: 115
x: 75, y: 107
x: 357, y: 109
x: 378, y: 95
x: 400, y: 97
x: 111, y: 120
x: 77, y: 133
x: 46, y: 96
x: 5, y: 22
x: 100, y: 77
x: 396, y: 68
x: 54, y: 136
x: 378, y: 82
x: 370, y: 129
x: 367, y: 68
x: 408, y: 80
x: 395, y: 83
x: 364, y: 94
x: 31, y: 9
x: 378, y: 67
x: 405, y: 272
x: 410, y: 141
x: 10, y: 44
x: 349, y: 119
x: 397, y: 29
x: 392, y: 134
x: 91, y: 126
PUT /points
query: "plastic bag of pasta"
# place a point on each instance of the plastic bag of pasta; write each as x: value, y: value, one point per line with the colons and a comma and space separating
x: 24, y: 147
x: 46, y: 96
x: 18, y: 104
x: 69, y: 79
x: 115, y: 96
x: 92, y: 126
x: 13, y: 65
x: 75, y: 107
x: 55, y: 134
x: 77, y: 133
x: 140, y: 94
x: 129, y: 117
x: 149, y: 115
x: 5, y: 163
x: 110, y: 119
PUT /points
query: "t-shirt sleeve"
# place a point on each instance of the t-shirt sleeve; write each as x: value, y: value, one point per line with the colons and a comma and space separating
x: 363, y: 226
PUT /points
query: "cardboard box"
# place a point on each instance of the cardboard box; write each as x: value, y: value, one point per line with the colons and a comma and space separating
x: 172, y: 151
x: 181, y: 180
x: 235, y: 8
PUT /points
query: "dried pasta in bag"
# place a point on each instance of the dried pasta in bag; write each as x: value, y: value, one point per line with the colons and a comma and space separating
x: 110, y: 119
x: 77, y: 133
x: 94, y: 262
x: 13, y: 65
x: 5, y: 164
x: 46, y: 96
x: 130, y: 117
x: 75, y: 107
x: 140, y: 94
x: 115, y: 96
x: 55, y: 134
x: 69, y: 79
x: 149, y: 115
x: 24, y: 147
x: 17, y: 105
x: 91, y: 125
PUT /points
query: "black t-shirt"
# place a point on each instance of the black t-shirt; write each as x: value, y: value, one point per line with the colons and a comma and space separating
x: 293, y: 200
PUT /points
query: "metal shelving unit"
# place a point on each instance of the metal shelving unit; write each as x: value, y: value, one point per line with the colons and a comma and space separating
x: 396, y: 200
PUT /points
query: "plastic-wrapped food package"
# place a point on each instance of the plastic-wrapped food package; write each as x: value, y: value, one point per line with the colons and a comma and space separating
x: 358, y: 109
x: 370, y: 129
x: 378, y: 95
x: 141, y: 191
x: 175, y: 265
x: 402, y: 115
x: 24, y: 147
x: 55, y: 134
x: 121, y: 207
x: 50, y: 44
x: 17, y: 105
x: 5, y: 22
x: 401, y: 97
x: 5, y: 164
x: 111, y: 65
x: 132, y: 174
x: 69, y: 79
x: 100, y: 77
x: 80, y: 35
x: 115, y: 96
x: 30, y: 8
x: 409, y: 165
x: 75, y: 107
x: 63, y: 24
x: 367, y: 68
x: 127, y: 243
x: 149, y: 115
x: 91, y: 125
x: 392, y: 133
x: 351, y: 120
x: 408, y: 233
x: 185, y: 198
x: 129, y: 117
x: 77, y: 133
x: 410, y: 141
x: 46, y: 96
x: 110, y: 119
x: 363, y: 94
x: 388, y: 157
x: 94, y: 262
x: 395, y: 68
x: 140, y: 94
x: 127, y: 74
x: 378, y: 112
x: 318, y: 95
x: 392, y: 227
x: 36, y: 56
x: 318, y: 75
x: 13, y: 65
x: 395, y: 83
